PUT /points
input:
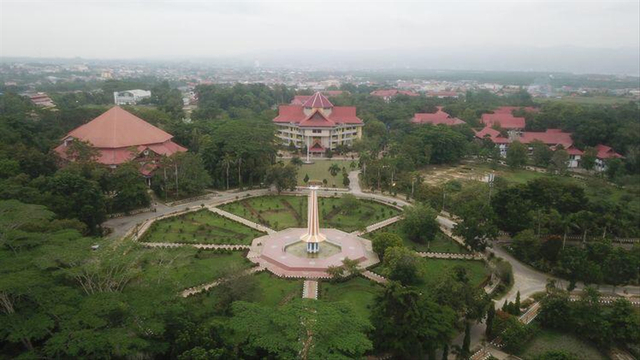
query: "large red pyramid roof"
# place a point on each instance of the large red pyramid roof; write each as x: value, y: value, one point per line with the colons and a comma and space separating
x: 318, y: 100
x: 117, y: 128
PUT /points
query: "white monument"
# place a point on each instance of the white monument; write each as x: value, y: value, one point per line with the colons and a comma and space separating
x: 313, y: 238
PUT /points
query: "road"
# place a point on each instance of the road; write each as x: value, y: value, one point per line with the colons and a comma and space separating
x: 526, y: 279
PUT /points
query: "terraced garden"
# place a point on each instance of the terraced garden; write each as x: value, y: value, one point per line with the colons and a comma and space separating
x: 282, y: 212
x: 200, y: 227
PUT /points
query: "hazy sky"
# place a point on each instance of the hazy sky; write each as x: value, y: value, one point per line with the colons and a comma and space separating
x: 152, y: 29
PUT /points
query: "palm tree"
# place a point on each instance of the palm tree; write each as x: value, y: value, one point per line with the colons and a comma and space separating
x: 227, y: 160
x: 334, y: 169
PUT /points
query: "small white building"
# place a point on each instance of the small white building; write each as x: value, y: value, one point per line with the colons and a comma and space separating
x: 130, y: 97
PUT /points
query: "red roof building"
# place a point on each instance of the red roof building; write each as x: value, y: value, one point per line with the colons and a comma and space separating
x: 503, y: 117
x: 606, y: 152
x: 436, y: 118
x: 301, y: 99
x: 317, y: 124
x: 120, y: 136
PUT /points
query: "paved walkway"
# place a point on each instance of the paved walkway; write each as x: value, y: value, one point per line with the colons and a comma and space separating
x: 378, y: 226
x: 437, y: 255
x: 375, y: 277
x: 197, y: 246
x: 310, y: 289
x: 241, y: 220
x: 200, y: 288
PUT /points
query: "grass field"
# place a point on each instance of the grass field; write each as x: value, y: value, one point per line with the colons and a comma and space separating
x: 435, y: 269
x: 547, y: 340
x: 319, y: 171
x: 358, y: 292
x: 276, y: 291
x: 181, y: 268
x: 441, y: 243
x: 200, y: 227
x: 282, y: 212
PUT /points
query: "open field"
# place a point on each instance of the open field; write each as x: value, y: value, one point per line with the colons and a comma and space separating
x: 319, y: 171
x: 586, y: 100
x: 282, y: 212
x: 357, y: 292
x: 441, y: 243
x: 181, y: 268
x: 202, y: 227
x: 547, y: 340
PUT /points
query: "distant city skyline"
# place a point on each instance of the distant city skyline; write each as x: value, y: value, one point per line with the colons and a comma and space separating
x: 595, y: 36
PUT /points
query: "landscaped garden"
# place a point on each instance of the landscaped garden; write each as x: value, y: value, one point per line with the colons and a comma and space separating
x: 319, y: 171
x: 441, y: 243
x: 282, y: 212
x: 200, y: 227
x: 432, y: 271
x: 185, y: 267
x: 547, y: 340
x: 357, y: 292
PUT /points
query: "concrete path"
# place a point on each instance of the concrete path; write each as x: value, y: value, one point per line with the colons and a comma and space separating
x: 241, y: 220
x: 200, y: 288
x: 197, y: 246
x: 375, y: 277
x: 310, y: 289
x: 454, y: 256
x: 378, y: 226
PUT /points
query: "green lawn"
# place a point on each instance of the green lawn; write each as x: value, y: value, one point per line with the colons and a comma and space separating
x: 181, y: 268
x: 319, y: 171
x: 441, y: 243
x: 282, y: 212
x: 547, y: 340
x: 276, y: 291
x: 202, y: 227
x: 358, y: 292
x: 434, y: 269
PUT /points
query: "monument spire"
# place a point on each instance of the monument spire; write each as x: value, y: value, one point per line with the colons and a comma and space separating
x: 313, y: 238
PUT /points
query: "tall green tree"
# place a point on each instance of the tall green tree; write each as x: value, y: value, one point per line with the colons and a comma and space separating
x: 516, y: 155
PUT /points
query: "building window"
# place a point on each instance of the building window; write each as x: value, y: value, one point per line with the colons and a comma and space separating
x: 317, y: 131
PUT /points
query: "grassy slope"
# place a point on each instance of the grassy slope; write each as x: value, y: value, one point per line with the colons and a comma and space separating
x: 441, y: 243
x: 358, y: 292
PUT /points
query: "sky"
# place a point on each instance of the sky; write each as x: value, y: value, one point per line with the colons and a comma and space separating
x: 209, y: 29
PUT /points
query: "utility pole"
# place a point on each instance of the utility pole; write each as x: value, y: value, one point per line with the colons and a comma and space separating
x: 492, y: 177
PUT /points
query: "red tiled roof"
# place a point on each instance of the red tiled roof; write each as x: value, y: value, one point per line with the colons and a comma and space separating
x: 317, y: 100
x: 439, y: 117
x: 550, y: 137
x: 300, y: 99
x: 118, y: 128
x: 506, y: 120
x: 295, y: 114
x: 492, y: 134
x: 606, y: 152
x: 120, y: 136
x: 572, y: 150
x: 317, y: 147
x: 317, y: 119
x: 392, y: 93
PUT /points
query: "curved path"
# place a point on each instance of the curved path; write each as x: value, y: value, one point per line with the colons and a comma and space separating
x: 526, y: 279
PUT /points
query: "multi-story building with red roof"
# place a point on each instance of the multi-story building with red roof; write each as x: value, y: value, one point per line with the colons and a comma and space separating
x: 119, y: 136
x: 317, y: 124
x: 436, y: 118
